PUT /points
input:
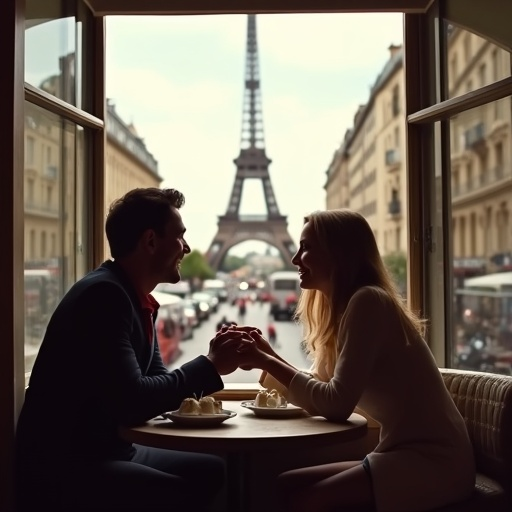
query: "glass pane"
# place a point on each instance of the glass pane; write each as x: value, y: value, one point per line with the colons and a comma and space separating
x: 50, y: 220
x: 472, y: 61
x: 481, y: 189
x: 50, y: 48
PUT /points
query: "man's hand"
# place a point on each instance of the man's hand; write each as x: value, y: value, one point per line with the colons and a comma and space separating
x: 226, y: 348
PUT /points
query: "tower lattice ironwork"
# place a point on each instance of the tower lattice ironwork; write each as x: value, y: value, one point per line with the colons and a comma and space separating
x: 251, y: 163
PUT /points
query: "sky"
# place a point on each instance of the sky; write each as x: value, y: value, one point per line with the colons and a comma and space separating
x: 180, y: 81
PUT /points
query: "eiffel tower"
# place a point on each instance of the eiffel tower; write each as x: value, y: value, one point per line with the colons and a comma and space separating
x: 251, y: 163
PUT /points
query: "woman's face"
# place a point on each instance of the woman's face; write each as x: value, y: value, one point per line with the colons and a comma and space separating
x: 313, y: 262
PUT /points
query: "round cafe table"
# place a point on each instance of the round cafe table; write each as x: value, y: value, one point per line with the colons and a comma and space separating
x: 243, y: 435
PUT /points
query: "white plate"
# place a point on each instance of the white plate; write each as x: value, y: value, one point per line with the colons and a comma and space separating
x: 290, y: 411
x: 199, y: 420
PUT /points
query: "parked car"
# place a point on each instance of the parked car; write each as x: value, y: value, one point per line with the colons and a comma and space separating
x: 210, y: 298
x: 171, y: 325
x: 202, y: 308
x: 185, y: 319
x: 169, y: 336
x: 190, y: 308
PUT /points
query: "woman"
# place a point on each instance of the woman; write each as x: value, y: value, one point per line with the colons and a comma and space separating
x: 368, y: 351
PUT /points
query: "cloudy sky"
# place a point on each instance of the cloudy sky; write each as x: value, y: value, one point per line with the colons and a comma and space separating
x: 180, y: 80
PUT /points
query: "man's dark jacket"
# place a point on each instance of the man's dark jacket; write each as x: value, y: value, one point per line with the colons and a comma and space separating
x: 97, y: 370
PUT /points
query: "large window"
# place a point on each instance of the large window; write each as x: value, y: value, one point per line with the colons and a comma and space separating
x: 368, y: 173
x: 54, y: 236
x: 56, y: 48
x: 56, y: 180
x: 470, y: 228
x: 481, y: 201
x: 473, y: 61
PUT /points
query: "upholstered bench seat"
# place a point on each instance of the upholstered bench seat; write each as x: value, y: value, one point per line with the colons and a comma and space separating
x: 485, y: 402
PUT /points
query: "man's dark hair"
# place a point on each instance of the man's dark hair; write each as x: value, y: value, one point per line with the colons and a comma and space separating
x: 138, y: 210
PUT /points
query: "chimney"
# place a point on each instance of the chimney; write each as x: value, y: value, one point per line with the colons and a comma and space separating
x: 394, y: 49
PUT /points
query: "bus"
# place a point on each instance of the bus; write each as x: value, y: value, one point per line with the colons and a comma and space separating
x: 483, y: 311
x: 216, y: 286
x: 284, y: 290
x: 488, y: 296
x: 41, y: 288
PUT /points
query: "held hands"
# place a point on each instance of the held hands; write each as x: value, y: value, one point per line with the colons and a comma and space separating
x: 226, y: 349
x: 255, y: 355
x: 256, y: 335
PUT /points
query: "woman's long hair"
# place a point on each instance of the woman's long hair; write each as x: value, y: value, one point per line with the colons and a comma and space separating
x: 352, y: 253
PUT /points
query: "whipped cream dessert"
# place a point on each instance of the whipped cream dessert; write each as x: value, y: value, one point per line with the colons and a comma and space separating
x: 271, y: 399
x: 205, y: 405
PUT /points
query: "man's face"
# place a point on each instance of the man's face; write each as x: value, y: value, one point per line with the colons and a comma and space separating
x: 170, y: 249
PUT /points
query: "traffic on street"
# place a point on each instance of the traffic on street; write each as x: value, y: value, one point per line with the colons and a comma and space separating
x: 257, y: 314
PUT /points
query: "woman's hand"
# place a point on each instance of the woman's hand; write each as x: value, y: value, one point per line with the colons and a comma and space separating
x: 251, y: 356
x: 256, y: 335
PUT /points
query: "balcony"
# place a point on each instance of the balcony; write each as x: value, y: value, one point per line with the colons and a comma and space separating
x: 489, y: 181
x: 499, y: 172
x: 41, y: 209
x: 50, y: 172
x: 474, y: 139
x: 394, y: 208
x: 392, y: 157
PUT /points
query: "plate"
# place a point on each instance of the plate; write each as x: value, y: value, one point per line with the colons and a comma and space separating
x: 199, y: 420
x: 290, y: 411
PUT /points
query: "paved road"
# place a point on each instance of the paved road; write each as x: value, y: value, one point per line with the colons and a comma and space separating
x: 288, y: 339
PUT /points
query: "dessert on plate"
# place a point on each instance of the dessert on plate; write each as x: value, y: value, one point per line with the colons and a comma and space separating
x: 209, y: 405
x: 270, y: 398
x: 205, y: 405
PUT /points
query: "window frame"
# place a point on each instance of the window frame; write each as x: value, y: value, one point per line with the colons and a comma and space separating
x: 425, y: 140
x: 428, y: 130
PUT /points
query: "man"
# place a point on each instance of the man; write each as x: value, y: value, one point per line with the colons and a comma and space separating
x: 99, y: 367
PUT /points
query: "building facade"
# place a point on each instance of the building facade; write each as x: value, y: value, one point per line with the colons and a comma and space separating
x: 480, y: 159
x: 128, y: 163
x: 367, y: 172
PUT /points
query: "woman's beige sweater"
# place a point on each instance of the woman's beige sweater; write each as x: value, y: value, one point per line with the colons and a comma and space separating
x: 424, y: 458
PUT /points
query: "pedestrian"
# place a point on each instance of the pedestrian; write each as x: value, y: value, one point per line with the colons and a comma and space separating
x: 99, y: 368
x: 272, y: 335
x: 242, y: 308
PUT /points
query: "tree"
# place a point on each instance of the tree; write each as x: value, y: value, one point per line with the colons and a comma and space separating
x: 233, y: 263
x: 396, y: 263
x: 194, y: 266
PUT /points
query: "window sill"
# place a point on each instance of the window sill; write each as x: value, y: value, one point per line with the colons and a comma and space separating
x: 238, y: 391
